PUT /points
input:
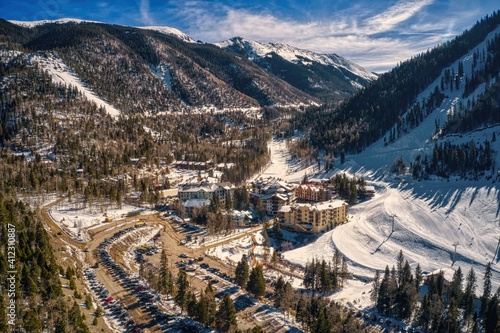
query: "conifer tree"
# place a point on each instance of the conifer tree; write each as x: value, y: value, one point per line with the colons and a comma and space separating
x: 225, y: 318
x: 492, y: 315
x: 257, y: 284
x: 165, y: 280
x: 242, y: 272
x: 469, y: 294
x: 486, y: 289
x: 383, y: 299
x: 375, y: 287
x: 207, y: 306
x: 456, y: 285
x: 181, y: 298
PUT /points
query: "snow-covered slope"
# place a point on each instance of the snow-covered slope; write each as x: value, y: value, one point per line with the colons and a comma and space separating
x: 292, y: 54
x: 171, y: 32
x: 50, y: 62
x: 430, y: 217
x: 163, y: 29
x: 31, y: 24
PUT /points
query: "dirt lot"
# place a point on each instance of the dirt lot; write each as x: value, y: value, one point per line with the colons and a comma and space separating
x: 171, y: 236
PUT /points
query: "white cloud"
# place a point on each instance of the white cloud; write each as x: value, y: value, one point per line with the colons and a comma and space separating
x: 145, y: 14
x: 400, y: 12
x: 376, y: 40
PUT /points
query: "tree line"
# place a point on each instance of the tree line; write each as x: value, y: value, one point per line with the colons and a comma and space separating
x: 447, y: 306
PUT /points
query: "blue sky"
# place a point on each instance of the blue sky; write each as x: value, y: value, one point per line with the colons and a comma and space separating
x: 373, y: 33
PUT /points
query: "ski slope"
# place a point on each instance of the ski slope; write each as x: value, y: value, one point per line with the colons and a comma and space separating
x: 50, y: 62
x: 430, y: 217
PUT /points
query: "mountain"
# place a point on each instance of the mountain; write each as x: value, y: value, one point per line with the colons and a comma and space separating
x: 150, y: 69
x: 163, y: 29
x: 329, y: 77
x: 171, y: 32
x: 448, y: 84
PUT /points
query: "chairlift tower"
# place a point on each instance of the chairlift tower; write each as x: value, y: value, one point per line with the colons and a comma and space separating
x: 455, y: 244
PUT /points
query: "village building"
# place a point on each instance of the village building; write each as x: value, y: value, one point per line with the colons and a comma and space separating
x: 240, y: 218
x: 313, y: 218
x: 310, y: 192
x: 274, y: 193
x: 204, y: 193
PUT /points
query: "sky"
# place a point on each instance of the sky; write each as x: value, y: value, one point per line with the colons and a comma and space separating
x: 375, y: 34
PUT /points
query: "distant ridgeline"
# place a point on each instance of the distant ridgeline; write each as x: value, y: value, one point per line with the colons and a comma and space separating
x: 389, y: 105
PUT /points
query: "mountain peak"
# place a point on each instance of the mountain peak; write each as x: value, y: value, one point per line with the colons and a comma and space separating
x: 171, y: 32
x: 321, y: 75
x: 32, y: 24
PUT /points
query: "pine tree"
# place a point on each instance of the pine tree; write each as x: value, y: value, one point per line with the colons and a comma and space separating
x: 242, y: 271
x: 384, y: 298
x: 452, y: 320
x: 182, y: 290
x: 486, y: 289
x: 399, y: 264
x: 325, y: 281
x: 192, y: 305
x: 375, y: 287
x: 225, y: 318
x: 324, y: 323
x: 277, y: 231
x: 492, y: 315
x: 257, y: 284
x: 469, y: 294
x: 209, y: 306
x: 456, y: 286
x: 165, y: 279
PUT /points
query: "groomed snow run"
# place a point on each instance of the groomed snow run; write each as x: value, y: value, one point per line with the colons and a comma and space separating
x: 63, y: 74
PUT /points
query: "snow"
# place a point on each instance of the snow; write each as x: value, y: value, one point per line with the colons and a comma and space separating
x: 171, y: 32
x: 429, y: 216
x: 77, y: 218
x: 296, y: 55
x: 32, y: 24
x: 283, y: 166
x: 49, y: 61
x: 162, y: 72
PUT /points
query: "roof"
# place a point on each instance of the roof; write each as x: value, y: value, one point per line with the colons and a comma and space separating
x: 320, y: 206
x: 196, y: 203
x: 285, y: 209
x: 199, y: 187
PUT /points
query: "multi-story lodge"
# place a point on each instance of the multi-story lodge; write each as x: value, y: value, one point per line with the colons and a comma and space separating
x: 310, y: 192
x: 273, y: 192
x: 313, y: 218
x: 206, y: 191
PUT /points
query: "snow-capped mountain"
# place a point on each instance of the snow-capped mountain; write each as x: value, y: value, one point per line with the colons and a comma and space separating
x: 32, y: 24
x: 171, y: 32
x: 323, y: 75
x: 163, y: 29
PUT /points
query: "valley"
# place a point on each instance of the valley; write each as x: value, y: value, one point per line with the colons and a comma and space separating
x: 156, y: 183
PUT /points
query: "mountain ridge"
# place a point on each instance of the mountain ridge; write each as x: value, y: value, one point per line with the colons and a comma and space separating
x: 329, y: 77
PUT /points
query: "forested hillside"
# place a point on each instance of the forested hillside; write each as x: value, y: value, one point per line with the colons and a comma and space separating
x: 121, y: 65
x: 330, y: 78
x: 32, y: 293
x: 390, y: 105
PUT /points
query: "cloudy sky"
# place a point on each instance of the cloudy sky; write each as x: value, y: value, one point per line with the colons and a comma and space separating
x: 373, y: 33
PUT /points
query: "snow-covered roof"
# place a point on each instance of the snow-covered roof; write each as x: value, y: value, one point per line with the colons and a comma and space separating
x: 196, y: 203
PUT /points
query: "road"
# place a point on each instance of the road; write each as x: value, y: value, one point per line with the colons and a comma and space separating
x: 171, y: 236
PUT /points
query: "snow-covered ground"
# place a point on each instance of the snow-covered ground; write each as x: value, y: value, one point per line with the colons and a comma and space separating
x: 430, y: 217
x: 60, y: 73
x: 77, y: 218
x: 232, y: 251
x: 283, y: 166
